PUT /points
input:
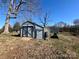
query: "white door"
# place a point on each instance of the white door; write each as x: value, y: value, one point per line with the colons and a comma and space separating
x: 39, y: 34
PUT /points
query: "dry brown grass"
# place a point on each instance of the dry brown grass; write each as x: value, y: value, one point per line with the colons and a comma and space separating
x: 19, y: 48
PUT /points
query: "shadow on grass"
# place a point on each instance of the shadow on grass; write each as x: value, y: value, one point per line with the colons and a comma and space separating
x: 18, y: 35
x: 55, y: 36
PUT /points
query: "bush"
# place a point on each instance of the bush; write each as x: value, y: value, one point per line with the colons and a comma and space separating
x: 1, y: 30
x: 54, y: 36
x: 16, y: 26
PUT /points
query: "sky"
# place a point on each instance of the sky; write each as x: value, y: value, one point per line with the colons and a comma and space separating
x: 58, y: 11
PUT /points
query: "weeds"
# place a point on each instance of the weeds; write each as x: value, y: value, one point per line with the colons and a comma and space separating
x: 14, y: 48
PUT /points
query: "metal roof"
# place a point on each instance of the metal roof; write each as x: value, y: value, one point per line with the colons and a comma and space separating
x: 32, y: 23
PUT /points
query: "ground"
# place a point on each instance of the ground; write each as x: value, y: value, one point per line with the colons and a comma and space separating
x: 14, y: 47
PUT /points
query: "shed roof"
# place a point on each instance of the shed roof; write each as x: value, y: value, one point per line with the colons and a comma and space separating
x: 32, y: 23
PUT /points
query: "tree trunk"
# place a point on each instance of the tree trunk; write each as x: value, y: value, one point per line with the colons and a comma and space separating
x: 6, y: 28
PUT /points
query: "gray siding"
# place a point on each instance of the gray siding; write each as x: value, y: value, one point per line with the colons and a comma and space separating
x: 32, y: 30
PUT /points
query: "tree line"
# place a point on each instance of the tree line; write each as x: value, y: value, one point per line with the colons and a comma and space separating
x: 73, y: 29
x: 15, y: 28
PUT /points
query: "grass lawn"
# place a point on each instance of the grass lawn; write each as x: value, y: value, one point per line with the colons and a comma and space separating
x: 13, y: 47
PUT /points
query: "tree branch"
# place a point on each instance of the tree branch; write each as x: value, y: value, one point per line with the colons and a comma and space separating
x: 20, y: 3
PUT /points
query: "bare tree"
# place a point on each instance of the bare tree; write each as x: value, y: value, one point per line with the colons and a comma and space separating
x: 10, y: 11
x: 44, y: 20
x: 15, y: 9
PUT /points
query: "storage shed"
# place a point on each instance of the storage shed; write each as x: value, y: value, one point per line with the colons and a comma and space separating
x: 31, y: 29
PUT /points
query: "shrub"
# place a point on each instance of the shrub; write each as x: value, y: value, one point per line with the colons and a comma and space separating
x: 16, y: 26
x: 1, y: 30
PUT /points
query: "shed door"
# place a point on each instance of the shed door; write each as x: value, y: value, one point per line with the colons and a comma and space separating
x: 24, y: 32
x: 27, y: 31
x: 39, y: 34
x: 30, y: 31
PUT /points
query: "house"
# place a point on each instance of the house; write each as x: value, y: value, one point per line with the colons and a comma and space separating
x: 31, y: 29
